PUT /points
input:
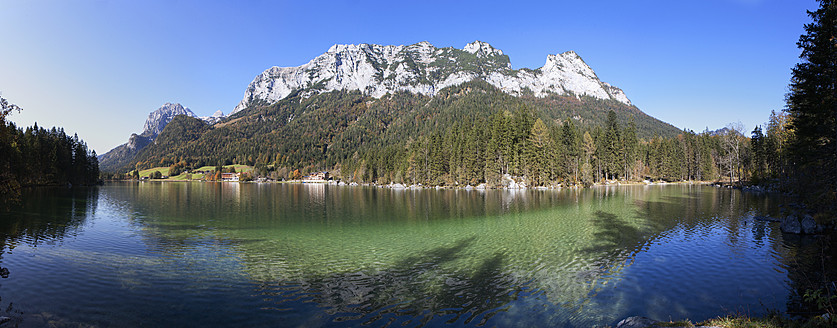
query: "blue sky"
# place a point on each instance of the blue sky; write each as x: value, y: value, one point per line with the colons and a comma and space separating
x: 98, y: 68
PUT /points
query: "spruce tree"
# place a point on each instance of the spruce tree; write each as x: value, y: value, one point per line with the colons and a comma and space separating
x: 572, y: 149
x: 811, y: 105
x: 612, y: 152
x: 538, y: 147
x: 630, y: 146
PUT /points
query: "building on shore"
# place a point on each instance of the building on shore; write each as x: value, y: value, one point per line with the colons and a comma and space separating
x: 230, y: 177
x: 316, y: 177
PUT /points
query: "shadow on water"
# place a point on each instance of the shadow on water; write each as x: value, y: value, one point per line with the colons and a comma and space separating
x: 46, y: 215
x: 708, y: 218
x: 612, y: 234
x: 811, y: 268
x: 420, y: 290
x: 447, y: 284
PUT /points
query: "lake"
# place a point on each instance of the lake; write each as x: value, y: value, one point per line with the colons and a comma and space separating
x: 310, y: 255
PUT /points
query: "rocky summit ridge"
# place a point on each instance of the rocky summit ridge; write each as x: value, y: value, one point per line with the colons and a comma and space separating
x: 157, y: 120
x: 422, y: 68
x: 154, y: 124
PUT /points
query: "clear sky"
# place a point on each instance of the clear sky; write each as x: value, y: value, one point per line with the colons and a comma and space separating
x: 98, y: 68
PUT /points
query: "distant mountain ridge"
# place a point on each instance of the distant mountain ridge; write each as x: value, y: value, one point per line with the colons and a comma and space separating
x: 421, y: 68
x: 157, y: 120
x: 155, y: 123
x: 359, y: 99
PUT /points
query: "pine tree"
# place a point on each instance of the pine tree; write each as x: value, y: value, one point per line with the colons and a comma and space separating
x: 812, y: 105
x: 630, y: 146
x: 777, y: 138
x: 612, y: 152
x: 572, y: 148
x: 538, y: 147
x: 758, y: 143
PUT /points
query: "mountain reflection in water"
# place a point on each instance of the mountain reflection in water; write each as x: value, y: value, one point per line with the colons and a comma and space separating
x: 196, y: 254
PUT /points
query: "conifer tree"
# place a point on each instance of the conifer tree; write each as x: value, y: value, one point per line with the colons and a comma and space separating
x: 812, y: 105
x: 539, y: 146
x: 612, y: 152
x: 572, y: 148
x: 630, y: 146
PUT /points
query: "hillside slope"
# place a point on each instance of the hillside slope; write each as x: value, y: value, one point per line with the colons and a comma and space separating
x: 326, y: 129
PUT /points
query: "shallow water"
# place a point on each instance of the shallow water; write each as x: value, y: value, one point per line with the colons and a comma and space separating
x: 291, y: 255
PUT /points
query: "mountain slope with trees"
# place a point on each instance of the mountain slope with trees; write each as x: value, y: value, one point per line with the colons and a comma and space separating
x: 467, y: 134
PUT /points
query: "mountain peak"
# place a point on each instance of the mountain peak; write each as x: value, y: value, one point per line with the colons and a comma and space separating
x: 158, y: 119
x: 422, y: 68
x: 482, y: 48
x: 569, y: 61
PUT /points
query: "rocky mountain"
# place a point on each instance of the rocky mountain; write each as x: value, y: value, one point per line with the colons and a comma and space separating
x: 158, y: 119
x: 214, y: 118
x: 421, y: 68
x: 154, y: 124
x: 354, y: 101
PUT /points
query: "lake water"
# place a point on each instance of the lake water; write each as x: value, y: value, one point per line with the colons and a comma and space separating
x: 294, y: 255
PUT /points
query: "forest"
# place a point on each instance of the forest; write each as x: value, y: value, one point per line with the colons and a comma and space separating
x: 473, y: 133
x: 346, y: 129
x: 516, y: 143
x: 37, y: 157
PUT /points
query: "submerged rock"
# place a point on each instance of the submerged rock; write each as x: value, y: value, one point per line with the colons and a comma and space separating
x: 643, y: 322
x: 636, y: 322
x: 807, y: 225
x: 791, y: 225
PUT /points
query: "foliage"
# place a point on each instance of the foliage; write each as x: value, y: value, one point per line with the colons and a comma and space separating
x: 325, y: 130
x: 825, y: 301
x: 36, y: 156
x: 466, y: 135
x: 811, y: 105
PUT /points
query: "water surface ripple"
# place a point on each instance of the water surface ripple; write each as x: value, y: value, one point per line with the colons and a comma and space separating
x: 206, y: 254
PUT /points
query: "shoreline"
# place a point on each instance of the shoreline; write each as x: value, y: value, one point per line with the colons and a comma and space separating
x: 512, y: 186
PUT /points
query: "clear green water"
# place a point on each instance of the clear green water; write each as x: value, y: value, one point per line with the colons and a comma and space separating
x: 293, y: 255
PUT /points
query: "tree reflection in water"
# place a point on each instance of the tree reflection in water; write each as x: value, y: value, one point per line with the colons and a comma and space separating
x: 332, y: 256
x: 46, y: 215
x: 419, y: 290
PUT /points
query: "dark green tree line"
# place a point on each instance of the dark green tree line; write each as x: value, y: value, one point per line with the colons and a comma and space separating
x: 812, y: 107
x: 37, y: 156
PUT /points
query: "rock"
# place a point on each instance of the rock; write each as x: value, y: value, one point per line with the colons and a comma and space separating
x: 4, y: 272
x: 158, y: 119
x: 397, y: 186
x: 513, y: 185
x: 4, y: 320
x: 378, y: 70
x: 643, y: 322
x: 809, y: 226
x: 636, y: 322
x: 791, y: 225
